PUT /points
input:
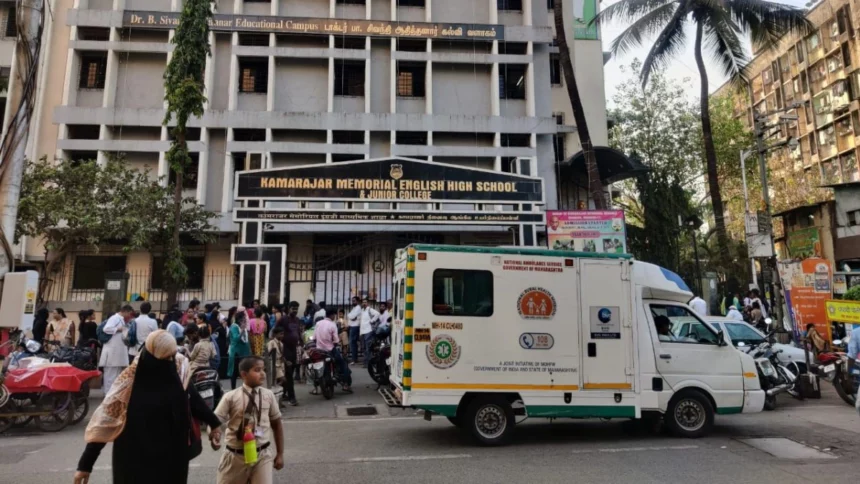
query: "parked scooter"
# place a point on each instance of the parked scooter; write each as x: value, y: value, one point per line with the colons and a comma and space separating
x: 837, y: 368
x: 773, y: 376
x: 380, y: 352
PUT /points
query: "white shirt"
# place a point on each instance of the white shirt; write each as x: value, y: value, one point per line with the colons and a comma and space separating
x: 115, y: 352
x: 735, y: 314
x: 760, y: 305
x: 385, y: 318
x: 145, y: 325
x: 321, y: 314
x: 353, y: 317
x: 699, y: 306
x: 367, y: 317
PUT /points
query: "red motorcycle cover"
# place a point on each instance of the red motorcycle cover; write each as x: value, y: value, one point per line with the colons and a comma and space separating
x: 51, y: 378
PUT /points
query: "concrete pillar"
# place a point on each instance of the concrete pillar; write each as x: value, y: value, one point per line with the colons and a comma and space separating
x: 203, y: 166
x: 233, y: 97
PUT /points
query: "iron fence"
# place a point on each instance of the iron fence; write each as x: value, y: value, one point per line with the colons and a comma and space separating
x: 212, y: 286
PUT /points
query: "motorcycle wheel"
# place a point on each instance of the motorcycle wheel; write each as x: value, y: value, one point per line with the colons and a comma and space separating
x: 375, y: 373
x: 62, y: 408
x: 838, y: 383
x: 328, y: 390
x: 770, y: 402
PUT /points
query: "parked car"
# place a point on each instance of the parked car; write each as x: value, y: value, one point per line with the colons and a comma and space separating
x: 739, y: 331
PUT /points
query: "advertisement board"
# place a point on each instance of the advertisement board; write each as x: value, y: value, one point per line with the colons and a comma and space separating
x: 584, y: 12
x: 804, y: 243
x: 843, y: 311
x: 811, y: 288
x: 600, y: 231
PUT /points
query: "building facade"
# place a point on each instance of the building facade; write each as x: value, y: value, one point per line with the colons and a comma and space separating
x: 816, y: 78
x: 473, y: 84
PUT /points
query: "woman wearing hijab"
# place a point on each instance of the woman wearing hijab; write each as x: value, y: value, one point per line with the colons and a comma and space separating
x: 40, y: 325
x: 148, y: 415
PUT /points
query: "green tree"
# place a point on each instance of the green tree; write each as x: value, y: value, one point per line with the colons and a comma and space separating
x: 658, y: 125
x: 184, y: 87
x: 719, y: 28
x: 853, y: 294
x: 72, y: 204
x: 594, y: 184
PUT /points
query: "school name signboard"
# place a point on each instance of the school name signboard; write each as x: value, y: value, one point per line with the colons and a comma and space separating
x: 386, y: 217
x: 389, y: 180
x: 323, y: 26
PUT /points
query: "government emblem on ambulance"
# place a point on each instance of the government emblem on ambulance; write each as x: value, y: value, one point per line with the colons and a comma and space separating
x: 443, y: 352
x: 397, y: 171
x: 536, y: 303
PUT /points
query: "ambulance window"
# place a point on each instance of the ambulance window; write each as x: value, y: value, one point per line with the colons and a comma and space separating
x: 677, y: 324
x: 401, y: 300
x: 462, y: 293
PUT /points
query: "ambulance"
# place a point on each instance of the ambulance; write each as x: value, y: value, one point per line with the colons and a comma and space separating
x: 488, y: 337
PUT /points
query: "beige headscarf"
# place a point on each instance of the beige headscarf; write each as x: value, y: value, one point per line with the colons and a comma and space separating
x: 108, y: 420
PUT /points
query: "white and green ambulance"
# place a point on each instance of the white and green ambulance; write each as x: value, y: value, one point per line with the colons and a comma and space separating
x: 489, y: 336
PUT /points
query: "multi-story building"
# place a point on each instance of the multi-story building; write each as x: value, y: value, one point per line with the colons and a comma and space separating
x: 474, y: 83
x: 8, y: 33
x: 819, y: 76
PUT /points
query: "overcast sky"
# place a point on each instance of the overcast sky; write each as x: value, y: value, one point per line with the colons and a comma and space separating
x: 683, y: 66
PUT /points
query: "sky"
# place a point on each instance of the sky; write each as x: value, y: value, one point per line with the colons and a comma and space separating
x: 683, y: 66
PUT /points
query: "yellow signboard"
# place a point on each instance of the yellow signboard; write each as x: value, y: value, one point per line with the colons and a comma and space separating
x: 843, y: 311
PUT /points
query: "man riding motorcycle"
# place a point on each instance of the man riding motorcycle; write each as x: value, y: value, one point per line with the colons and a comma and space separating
x: 326, y: 337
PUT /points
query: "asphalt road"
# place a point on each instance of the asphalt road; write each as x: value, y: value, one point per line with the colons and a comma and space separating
x: 401, y: 447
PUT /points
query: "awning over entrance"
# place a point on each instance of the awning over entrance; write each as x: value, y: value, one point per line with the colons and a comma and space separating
x: 614, y: 166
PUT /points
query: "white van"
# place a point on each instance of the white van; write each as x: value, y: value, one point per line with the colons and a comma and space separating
x: 485, y: 335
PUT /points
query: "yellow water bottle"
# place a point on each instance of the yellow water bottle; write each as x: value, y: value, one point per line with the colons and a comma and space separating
x: 249, y: 446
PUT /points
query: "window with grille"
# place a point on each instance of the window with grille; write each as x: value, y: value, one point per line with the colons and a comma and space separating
x: 411, y: 138
x: 93, y: 71
x: 512, y: 81
x: 254, y: 76
x: 515, y: 5
x: 256, y: 40
x: 195, y: 267
x: 348, y: 78
x: 411, y: 80
x: 555, y: 69
x: 341, y: 42
x: 90, y: 270
x: 11, y: 22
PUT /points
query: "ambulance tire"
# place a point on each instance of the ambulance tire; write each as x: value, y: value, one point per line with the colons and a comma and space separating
x: 690, y: 414
x: 490, y: 420
x: 456, y: 421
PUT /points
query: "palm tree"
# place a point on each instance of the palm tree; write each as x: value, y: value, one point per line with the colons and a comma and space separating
x: 594, y: 184
x: 720, y: 26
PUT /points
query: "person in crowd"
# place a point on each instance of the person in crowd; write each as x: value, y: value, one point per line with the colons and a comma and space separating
x: 61, y: 330
x: 255, y: 304
x: 384, y: 316
x: 219, y: 330
x: 756, y: 298
x: 343, y: 332
x: 734, y: 314
x: 251, y: 407
x: 87, y: 327
x: 239, y: 346
x: 664, y: 329
x: 207, y: 311
x: 148, y: 415
x: 175, y: 328
x: 369, y: 318
x: 699, y: 306
x: 310, y: 310
x: 275, y: 351
x: 736, y: 301
x: 756, y: 316
x: 257, y: 332
x: 354, y: 319
x: 817, y: 343
x: 40, y: 325
x: 325, y: 335
x: 203, y: 352
x: 321, y: 313
x: 292, y: 326
x: 144, y: 325
x: 114, y: 358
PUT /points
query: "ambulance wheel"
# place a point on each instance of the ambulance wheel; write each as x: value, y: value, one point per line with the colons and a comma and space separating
x: 490, y: 420
x: 690, y: 414
x: 456, y: 421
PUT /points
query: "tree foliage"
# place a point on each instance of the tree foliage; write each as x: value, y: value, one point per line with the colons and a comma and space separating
x: 184, y: 87
x: 720, y: 29
x: 69, y: 204
x: 853, y: 294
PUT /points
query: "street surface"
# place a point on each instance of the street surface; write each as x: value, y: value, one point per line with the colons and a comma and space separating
x: 326, y: 445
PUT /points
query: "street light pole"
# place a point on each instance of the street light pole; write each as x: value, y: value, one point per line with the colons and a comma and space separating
x: 744, y: 156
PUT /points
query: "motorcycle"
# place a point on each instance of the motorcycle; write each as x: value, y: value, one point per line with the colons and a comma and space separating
x: 773, y: 376
x: 837, y: 368
x: 208, y: 386
x: 322, y: 370
x: 380, y: 352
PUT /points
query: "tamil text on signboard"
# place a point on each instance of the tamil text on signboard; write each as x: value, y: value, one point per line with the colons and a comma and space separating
x: 601, y: 231
x: 326, y: 26
x: 358, y: 216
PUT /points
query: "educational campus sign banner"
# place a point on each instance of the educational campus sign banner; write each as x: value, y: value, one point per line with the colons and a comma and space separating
x: 389, y: 180
x: 321, y: 26
x: 600, y: 231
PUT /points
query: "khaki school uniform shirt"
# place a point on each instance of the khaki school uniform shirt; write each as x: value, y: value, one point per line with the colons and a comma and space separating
x: 231, y: 411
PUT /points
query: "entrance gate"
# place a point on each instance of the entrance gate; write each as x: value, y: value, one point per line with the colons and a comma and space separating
x: 444, y: 194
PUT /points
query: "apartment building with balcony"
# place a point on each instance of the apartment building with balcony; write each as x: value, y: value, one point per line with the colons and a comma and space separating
x: 819, y: 74
x: 288, y: 86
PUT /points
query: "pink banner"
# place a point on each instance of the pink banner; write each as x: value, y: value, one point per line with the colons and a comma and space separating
x: 600, y: 231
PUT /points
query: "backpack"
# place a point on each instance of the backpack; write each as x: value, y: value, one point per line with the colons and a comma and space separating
x: 100, y: 333
x: 131, y: 338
